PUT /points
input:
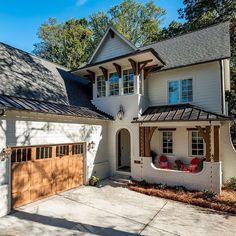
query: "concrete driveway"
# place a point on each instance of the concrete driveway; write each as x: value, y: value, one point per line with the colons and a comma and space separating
x: 114, y: 210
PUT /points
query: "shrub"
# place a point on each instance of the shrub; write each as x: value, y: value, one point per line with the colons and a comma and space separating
x: 143, y: 183
x: 232, y: 184
x: 180, y: 188
x: 208, y: 194
x: 162, y: 186
x: 94, y: 180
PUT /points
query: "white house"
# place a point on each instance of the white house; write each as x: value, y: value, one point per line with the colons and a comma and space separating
x: 143, y: 112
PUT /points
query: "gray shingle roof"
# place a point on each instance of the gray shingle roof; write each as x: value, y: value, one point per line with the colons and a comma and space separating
x: 182, y: 112
x: 23, y: 75
x: 16, y: 103
x: 203, y: 45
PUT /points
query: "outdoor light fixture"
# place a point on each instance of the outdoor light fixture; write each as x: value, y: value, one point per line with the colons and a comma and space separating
x: 91, y: 145
x: 5, y: 153
x: 120, y: 113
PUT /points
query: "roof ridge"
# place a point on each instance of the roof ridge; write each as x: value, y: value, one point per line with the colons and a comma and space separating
x: 33, y: 55
x: 185, y: 33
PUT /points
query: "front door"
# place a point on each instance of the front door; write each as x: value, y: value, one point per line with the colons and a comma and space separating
x: 124, y: 158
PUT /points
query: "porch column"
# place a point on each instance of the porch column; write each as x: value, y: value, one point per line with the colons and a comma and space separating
x: 217, y: 143
x: 145, y: 137
x: 206, y: 134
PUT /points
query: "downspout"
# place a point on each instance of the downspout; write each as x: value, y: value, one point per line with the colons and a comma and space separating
x: 222, y: 87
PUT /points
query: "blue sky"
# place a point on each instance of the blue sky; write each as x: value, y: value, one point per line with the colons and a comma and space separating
x: 20, y: 19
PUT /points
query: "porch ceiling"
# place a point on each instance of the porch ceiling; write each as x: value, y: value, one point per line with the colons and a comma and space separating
x: 181, y: 112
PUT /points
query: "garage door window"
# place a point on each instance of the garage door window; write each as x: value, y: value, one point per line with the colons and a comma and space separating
x: 21, y: 155
x: 43, y: 152
x: 62, y: 150
x: 77, y: 149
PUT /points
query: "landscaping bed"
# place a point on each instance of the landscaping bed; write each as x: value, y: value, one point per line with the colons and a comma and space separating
x: 225, y: 202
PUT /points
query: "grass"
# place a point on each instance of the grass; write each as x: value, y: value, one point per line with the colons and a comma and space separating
x: 225, y: 202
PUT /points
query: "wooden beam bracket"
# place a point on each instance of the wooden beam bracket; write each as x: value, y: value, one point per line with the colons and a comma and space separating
x: 91, y: 75
x: 104, y: 72
x: 118, y: 69
x: 134, y: 66
x: 142, y: 64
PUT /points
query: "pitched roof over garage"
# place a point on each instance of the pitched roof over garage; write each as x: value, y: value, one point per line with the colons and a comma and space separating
x: 31, y: 79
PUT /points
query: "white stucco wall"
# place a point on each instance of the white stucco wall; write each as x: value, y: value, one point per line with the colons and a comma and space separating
x: 24, y: 129
x: 209, y: 178
x: 206, y: 85
x: 227, y: 153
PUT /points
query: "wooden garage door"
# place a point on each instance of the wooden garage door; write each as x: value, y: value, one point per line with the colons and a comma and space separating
x: 40, y: 171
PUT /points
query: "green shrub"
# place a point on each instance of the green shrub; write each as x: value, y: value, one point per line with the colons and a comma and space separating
x: 180, y: 188
x: 162, y: 186
x: 94, y: 180
x: 143, y: 183
x: 232, y: 184
x: 208, y: 194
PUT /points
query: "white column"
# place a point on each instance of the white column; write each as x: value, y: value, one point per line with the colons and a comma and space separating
x: 121, y: 89
x: 136, y: 84
x: 95, y: 89
x: 107, y: 88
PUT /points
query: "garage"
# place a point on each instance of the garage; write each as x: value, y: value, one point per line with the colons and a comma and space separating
x: 42, y: 171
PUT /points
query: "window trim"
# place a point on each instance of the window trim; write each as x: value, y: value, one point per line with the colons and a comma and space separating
x: 112, y: 72
x: 123, y: 88
x: 97, y: 86
x: 190, y: 145
x: 180, y: 89
x: 161, y: 142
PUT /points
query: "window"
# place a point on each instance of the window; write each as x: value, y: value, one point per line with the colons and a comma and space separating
x: 180, y: 91
x: 167, y: 142
x: 101, y: 86
x: 77, y: 149
x: 187, y: 90
x: 173, y: 92
x: 114, y: 84
x: 128, y: 81
x: 43, y: 152
x: 21, y: 155
x: 62, y: 150
x: 197, y: 144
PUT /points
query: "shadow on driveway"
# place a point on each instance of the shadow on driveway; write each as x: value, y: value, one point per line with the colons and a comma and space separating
x: 66, y: 224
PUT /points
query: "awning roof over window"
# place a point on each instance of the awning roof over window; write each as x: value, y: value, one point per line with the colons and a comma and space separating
x: 182, y: 112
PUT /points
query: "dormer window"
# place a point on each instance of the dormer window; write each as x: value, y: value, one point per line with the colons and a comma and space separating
x: 101, y: 86
x: 114, y: 84
x: 128, y: 81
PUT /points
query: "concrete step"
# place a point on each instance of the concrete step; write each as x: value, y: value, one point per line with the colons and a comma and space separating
x: 120, y: 179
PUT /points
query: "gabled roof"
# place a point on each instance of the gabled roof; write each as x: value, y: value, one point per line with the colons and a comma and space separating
x: 26, y: 76
x: 180, y: 112
x: 109, y: 31
x: 207, y: 44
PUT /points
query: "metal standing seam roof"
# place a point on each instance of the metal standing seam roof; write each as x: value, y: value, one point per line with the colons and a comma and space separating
x: 182, y: 112
x: 16, y: 103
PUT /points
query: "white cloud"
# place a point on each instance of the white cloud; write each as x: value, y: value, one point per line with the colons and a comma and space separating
x: 80, y: 2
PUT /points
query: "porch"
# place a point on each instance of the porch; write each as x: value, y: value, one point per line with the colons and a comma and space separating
x: 180, y: 145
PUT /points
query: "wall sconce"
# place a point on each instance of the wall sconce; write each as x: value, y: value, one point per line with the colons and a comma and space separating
x: 91, y: 145
x: 5, y: 153
x: 120, y: 113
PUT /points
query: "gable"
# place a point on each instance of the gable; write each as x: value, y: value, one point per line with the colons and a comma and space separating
x: 112, y: 45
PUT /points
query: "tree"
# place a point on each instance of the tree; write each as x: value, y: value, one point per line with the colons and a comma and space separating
x: 139, y: 23
x: 66, y: 43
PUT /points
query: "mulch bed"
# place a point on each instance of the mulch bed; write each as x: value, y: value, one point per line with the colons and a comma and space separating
x: 225, y: 202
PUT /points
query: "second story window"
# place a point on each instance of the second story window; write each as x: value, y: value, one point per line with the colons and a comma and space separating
x: 180, y: 91
x: 114, y: 84
x: 101, y: 86
x: 128, y: 81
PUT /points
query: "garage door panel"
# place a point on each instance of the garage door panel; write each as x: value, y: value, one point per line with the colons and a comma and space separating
x: 45, y: 173
x: 21, y: 198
